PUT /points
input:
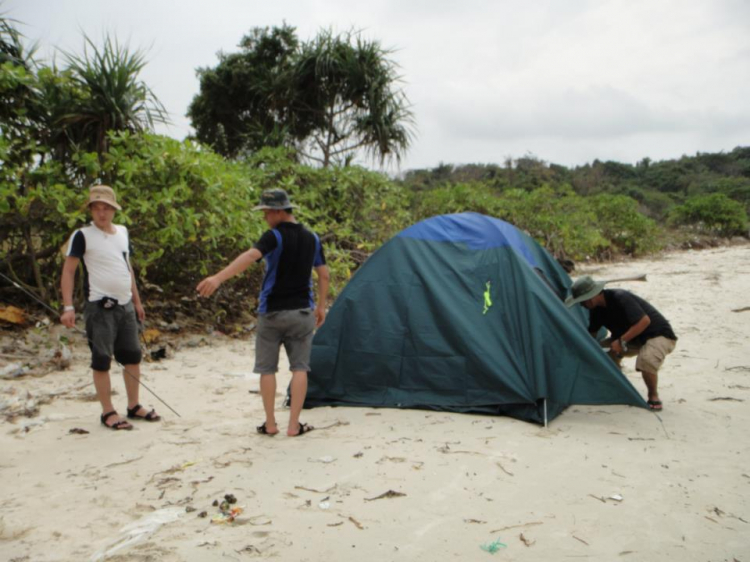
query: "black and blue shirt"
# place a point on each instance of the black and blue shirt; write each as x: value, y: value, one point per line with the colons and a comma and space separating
x: 291, y: 251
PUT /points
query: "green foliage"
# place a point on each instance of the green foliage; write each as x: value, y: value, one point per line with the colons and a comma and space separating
x: 329, y: 98
x: 113, y: 98
x: 715, y: 213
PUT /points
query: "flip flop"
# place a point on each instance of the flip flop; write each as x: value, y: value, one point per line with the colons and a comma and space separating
x: 263, y: 430
x: 151, y: 416
x: 120, y: 425
x: 655, y: 405
x: 304, y: 428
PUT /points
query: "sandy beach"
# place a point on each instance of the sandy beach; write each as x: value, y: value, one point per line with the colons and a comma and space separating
x: 600, y: 483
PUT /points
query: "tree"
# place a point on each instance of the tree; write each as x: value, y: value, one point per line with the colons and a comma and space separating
x: 348, y: 87
x: 113, y: 98
x: 243, y: 103
x: 330, y: 98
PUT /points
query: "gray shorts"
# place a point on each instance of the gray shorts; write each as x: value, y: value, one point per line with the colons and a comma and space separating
x: 112, y: 332
x: 294, y: 329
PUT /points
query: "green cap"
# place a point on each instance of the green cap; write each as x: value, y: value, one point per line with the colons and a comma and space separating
x: 584, y: 289
x: 274, y: 199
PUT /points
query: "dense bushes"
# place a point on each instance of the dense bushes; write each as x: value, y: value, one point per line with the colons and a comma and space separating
x: 714, y: 213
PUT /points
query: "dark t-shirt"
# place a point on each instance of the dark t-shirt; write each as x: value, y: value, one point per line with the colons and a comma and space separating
x: 291, y: 251
x: 625, y: 309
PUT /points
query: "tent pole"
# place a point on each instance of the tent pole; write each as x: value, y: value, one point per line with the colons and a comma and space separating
x: 545, y: 412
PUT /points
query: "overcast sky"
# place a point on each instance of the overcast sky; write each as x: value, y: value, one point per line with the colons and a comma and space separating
x: 565, y: 80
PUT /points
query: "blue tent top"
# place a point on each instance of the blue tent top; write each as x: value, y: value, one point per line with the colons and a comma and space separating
x: 477, y: 232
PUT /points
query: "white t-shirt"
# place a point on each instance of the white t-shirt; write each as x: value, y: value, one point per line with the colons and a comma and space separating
x: 106, y: 262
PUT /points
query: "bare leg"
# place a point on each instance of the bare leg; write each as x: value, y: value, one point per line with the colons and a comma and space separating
x: 268, y: 393
x: 131, y: 378
x: 103, y: 387
x: 652, y: 381
x: 299, y: 392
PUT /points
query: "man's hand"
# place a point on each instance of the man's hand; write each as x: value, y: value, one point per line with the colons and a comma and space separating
x: 208, y: 286
x: 140, y: 312
x: 616, y: 347
x: 320, y: 316
x: 68, y: 318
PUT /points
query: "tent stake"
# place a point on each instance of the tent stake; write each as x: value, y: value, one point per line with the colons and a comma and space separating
x: 545, y: 412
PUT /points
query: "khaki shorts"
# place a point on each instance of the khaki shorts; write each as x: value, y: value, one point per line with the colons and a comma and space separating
x: 652, y: 354
x: 291, y: 328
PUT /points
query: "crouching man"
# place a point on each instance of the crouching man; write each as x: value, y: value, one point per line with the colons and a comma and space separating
x: 635, y: 326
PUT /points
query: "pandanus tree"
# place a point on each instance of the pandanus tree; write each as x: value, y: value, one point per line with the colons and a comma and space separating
x: 112, y: 96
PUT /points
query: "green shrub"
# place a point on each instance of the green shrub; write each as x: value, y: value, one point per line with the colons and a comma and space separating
x: 715, y: 213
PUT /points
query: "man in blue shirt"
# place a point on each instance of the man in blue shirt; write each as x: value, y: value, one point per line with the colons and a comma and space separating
x: 287, y: 311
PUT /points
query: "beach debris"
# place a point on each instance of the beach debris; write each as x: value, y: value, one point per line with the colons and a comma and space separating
x: 137, y: 532
x: 13, y: 370
x: 158, y: 353
x: 601, y: 499
x: 477, y: 521
x: 78, y: 431
x: 388, y: 494
x: 314, y: 490
x: 358, y: 455
x: 357, y: 524
x: 324, y: 503
x: 530, y: 524
x: 580, y: 540
x: 151, y: 335
x: 493, y: 547
x: 324, y: 459
x: 230, y: 498
x: 505, y: 470
x: 215, y: 503
x: 726, y: 398
x: 203, y: 514
x: 743, y: 309
x: 335, y: 524
x: 616, y: 497
x: 227, y: 516
x: 525, y: 541
x: 12, y: 315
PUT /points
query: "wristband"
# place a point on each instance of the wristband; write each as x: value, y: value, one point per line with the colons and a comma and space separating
x: 69, y: 308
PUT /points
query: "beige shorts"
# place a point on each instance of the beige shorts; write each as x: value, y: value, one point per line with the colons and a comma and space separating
x: 652, y: 354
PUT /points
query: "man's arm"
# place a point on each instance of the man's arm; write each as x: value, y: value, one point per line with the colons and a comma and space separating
x: 633, y: 332
x: 324, y: 279
x: 139, y: 310
x: 208, y: 286
x: 67, y: 282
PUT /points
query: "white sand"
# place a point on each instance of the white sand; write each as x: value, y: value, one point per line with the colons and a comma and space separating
x: 468, y: 480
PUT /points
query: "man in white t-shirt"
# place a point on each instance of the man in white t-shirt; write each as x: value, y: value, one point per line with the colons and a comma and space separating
x: 113, y: 306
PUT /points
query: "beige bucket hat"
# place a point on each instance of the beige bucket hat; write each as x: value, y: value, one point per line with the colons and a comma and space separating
x: 103, y: 194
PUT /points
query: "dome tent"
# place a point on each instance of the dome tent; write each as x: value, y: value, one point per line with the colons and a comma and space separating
x: 462, y: 313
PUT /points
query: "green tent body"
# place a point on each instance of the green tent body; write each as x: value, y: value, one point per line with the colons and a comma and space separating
x: 462, y: 313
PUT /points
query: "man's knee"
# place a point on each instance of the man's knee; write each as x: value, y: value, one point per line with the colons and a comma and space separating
x: 128, y: 357
x: 100, y: 362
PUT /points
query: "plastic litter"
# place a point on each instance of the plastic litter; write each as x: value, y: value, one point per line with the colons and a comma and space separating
x: 616, y: 497
x: 138, y: 531
x: 493, y: 547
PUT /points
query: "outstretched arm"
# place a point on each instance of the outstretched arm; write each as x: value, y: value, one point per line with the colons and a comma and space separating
x: 208, y: 286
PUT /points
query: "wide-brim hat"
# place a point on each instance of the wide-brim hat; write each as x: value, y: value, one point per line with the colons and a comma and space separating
x: 583, y: 289
x: 276, y: 199
x: 103, y: 194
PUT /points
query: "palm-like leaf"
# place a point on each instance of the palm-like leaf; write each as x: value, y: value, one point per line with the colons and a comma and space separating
x: 114, y: 99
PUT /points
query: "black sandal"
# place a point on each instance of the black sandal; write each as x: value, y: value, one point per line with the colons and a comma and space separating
x: 151, y: 416
x: 304, y: 428
x: 122, y: 424
x: 263, y: 430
